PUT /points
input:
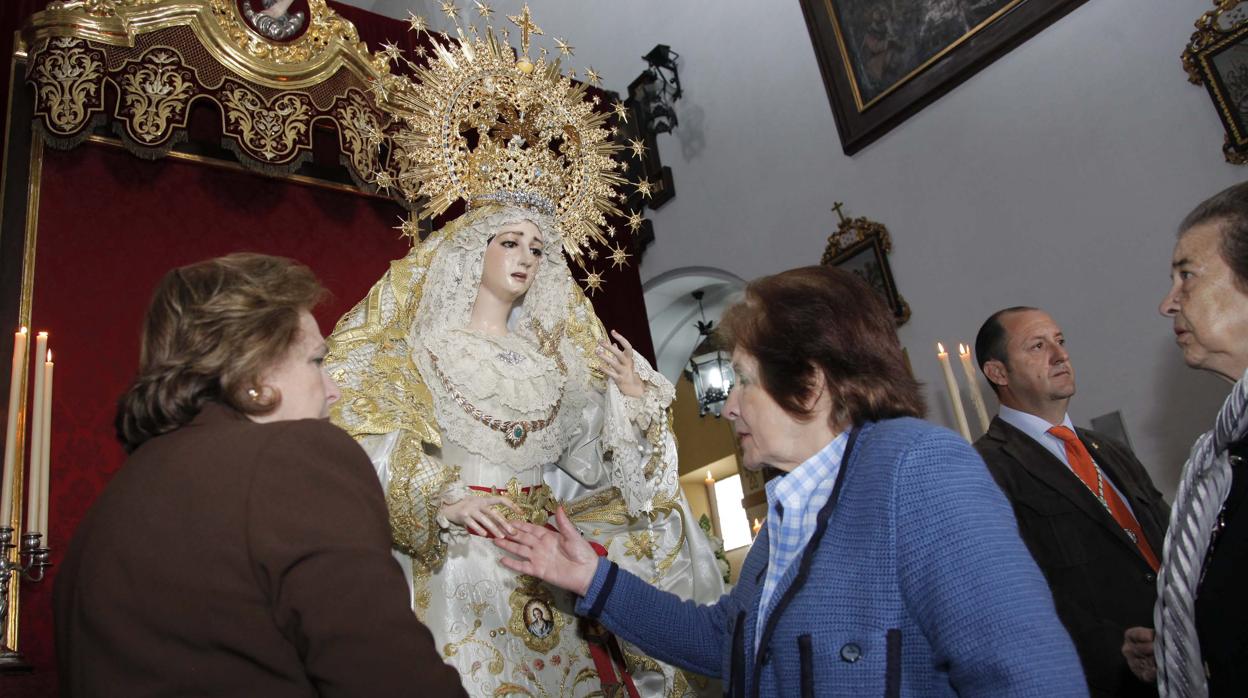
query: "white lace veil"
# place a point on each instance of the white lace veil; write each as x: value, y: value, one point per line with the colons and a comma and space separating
x: 454, y: 275
x: 429, y: 293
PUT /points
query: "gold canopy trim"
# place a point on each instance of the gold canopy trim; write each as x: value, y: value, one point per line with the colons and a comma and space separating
x: 329, y: 43
x: 163, y: 56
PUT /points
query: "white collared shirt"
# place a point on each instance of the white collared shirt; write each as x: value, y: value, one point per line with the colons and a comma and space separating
x: 1038, y: 429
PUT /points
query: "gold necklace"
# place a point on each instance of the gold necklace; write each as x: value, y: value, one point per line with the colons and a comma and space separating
x: 1100, y: 495
x: 515, y: 431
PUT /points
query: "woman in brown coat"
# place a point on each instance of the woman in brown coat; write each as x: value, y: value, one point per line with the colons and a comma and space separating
x: 244, y: 547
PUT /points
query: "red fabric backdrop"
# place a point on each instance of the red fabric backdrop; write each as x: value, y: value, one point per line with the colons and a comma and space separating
x: 110, y: 225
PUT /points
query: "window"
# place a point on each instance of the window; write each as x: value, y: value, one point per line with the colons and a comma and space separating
x: 733, y: 523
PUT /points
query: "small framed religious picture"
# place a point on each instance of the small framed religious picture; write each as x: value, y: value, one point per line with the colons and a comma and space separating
x: 861, y: 246
x: 1217, y: 57
x: 281, y: 21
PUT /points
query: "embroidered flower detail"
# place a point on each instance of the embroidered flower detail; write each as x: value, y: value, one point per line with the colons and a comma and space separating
x: 640, y: 545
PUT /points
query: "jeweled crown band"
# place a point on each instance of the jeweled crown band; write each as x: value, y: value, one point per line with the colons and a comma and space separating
x: 520, y: 199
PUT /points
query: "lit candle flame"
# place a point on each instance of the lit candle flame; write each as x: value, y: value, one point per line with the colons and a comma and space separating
x: 940, y: 348
x: 963, y: 350
x: 23, y: 330
x: 49, y: 356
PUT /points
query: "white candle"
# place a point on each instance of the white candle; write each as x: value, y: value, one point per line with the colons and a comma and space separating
x: 36, y: 441
x: 712, y: 504
x: 45, y: 452
x: 21, y: 342
x: 977, y: 398
x: 955, y: 395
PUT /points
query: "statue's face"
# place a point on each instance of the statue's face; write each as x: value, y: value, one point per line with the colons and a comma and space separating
x: 512, y: 260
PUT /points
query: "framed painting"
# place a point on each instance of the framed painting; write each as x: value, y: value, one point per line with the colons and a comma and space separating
x: 1217, y: 57
x: 861, y: 246
x: 884, y: 60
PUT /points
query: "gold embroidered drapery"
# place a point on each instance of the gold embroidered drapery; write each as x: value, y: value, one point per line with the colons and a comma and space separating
x: 139, y: 66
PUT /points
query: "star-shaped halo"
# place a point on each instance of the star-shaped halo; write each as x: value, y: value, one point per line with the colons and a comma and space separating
x: 621, y: 111
x: 593, y: 77
x: 635, y: 220
x: 391, y: 51
x: 564, y: 47
x: 644, y: 187
x: 383, y: 180
x: 409, y: 228
x: 417, y: 23
x: 619, y: 258
x: 593, y: 282
x: 483, y: 9
x: 638, y: 148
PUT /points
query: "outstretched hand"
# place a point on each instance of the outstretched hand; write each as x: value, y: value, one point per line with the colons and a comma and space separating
x: 561, y: 557
x: 478, y: 515
x: 617, y: 363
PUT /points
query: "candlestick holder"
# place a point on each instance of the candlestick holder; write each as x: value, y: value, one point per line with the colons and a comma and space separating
x: 32, y: 560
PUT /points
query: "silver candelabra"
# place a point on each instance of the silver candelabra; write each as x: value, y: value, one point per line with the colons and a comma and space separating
x: 30, y: 565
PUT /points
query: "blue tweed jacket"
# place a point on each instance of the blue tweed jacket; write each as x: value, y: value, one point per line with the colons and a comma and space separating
x: 915, y: 583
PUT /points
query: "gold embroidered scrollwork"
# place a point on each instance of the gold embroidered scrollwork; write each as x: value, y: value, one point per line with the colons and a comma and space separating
x: 69, y: 83
x: 414, y: 498
x: 155, y: 92
x: 273, y: 131
x: 360, y: 132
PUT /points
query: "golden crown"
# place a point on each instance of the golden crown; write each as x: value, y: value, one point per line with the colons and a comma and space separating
x: 484, y: 123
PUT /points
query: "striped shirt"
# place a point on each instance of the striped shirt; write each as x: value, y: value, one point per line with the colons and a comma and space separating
x: 793, y: 505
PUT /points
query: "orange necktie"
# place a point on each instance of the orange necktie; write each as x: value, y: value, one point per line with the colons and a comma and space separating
x: 1081, y: 463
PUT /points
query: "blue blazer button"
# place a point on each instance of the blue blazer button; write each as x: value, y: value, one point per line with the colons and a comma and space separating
x: 851, y: 653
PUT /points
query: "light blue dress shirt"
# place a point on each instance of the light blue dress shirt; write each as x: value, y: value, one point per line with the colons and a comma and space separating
x: 793, y: 504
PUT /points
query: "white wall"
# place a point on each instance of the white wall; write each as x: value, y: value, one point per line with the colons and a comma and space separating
x: 1053, y: 178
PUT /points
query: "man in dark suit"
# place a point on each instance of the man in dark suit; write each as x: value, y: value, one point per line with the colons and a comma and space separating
x: 1086, y: 508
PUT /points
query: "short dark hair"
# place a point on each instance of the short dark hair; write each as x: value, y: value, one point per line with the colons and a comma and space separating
x: 210, y: 332
x: 824, y: 319
x: 991, y: 340
x: 1230, y: 208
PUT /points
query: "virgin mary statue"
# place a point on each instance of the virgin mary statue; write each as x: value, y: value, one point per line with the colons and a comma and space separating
x: 484, y: 388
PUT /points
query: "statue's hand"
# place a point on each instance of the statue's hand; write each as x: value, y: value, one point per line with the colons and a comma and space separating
x: 617, y: 363
x: 477, y: 514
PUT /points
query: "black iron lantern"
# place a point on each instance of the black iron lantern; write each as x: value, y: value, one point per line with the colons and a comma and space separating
x: 661, y: 89
x: 709, y: 368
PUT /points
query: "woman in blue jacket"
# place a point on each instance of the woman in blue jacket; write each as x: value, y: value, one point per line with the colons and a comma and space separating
x: 890, y: 563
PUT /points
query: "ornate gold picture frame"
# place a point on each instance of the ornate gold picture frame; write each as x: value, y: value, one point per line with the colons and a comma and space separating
x: 1217, y: 57
x: 883, y: 62
x: 861, y: 246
